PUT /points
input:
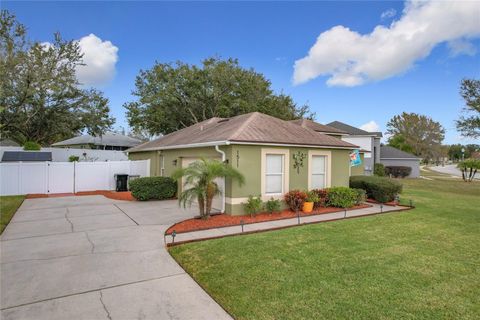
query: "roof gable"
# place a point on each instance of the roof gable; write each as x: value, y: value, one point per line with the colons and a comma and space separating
x: 353, y: 130
x: 109, y: 139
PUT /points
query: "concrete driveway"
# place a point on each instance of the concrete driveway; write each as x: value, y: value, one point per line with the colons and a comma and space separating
x: 91, y: 257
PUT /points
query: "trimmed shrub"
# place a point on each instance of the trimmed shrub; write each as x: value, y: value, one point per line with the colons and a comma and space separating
x: 380, y: 189
x: 312, y: 196
x: 398, y: 171
x: 361, y: 196
x: 253, y: 205
x: 273, y: 205
x: 73, y: 158
x: 342, y: 197
x: 158, y: 188
x: 322, y: 198
x: 295, y: 199
x: 31, y: 146
x: 379, y: 170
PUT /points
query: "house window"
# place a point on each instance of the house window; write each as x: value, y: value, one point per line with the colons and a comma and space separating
x: 274, y: 173
x: 318, y: 172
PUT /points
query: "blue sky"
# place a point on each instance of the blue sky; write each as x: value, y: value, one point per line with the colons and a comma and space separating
x: 268, y: 37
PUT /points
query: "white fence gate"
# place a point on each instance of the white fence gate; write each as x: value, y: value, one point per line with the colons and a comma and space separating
x: 65, y: 177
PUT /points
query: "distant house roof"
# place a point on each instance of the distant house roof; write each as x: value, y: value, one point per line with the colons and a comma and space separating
x: 253, y: 127
x: 8, y: 143
x: 108, y: 139
x: 387, y: 152
x: 315, y: 126
x: 353, y: 130
x: 9, y: 156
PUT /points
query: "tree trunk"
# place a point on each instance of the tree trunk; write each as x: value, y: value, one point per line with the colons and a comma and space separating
x: 201, y: 206
x: 209, y: 200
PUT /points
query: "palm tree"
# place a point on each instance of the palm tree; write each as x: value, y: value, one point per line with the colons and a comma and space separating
x: 199, y: 182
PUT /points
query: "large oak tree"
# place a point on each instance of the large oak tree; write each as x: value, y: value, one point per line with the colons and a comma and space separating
x: 40, y: 97
x: 174, y: 96
x: 420, y: 133
x: 469, y: 122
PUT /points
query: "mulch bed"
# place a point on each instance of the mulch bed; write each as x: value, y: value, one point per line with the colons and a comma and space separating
x: 391, y: 203
x: 125, y: 195
x: 225, y: 220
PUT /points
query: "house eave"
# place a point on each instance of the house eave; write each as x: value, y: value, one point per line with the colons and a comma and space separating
x: 228, y: 142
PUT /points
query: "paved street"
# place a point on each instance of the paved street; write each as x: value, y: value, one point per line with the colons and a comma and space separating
x: 91, y: 257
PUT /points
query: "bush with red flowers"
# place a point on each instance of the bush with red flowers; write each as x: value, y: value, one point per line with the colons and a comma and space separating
x: 322, y: 198
x: 295, y: 199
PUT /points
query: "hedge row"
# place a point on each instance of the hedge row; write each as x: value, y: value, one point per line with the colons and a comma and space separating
x: 378, y: 188
x: 148, y: 188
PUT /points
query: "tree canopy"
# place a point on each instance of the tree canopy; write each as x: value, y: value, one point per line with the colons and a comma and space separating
x: 469, y: 123
x: 41, y: 99
x: 420, y: 133
x: 174, y: 96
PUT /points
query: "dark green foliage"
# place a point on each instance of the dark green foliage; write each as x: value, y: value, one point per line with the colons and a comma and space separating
x: 322, y: 195
x: 361, y: 196
x: 295, y: 199
x: 380, y: 189
x: 253, y: 205
x: 342, y: 197
x: 312, y: 196
x: 419, y: 132
x: 398, y: 171
x: 469, y: 123
x: 73, y: 158
x: 379, y: 169
x: 273, y: 205
x: 216, y: 88
x: 31, y: 146
x: 149, y: 188
x: 41, y: 99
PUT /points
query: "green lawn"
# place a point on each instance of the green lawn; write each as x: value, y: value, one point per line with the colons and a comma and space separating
x: 418, y: 264
x: 8, y: 207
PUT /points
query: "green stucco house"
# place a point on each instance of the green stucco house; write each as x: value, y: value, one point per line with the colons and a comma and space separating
x: 274, y: 155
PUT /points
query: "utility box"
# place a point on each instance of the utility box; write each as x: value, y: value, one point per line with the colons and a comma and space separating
x: 121, y: 181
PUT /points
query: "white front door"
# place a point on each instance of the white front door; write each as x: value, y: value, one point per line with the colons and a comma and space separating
x: 217, y: 200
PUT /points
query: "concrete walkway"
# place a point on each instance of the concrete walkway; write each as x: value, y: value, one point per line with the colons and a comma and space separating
x: 92, y: 258
x: 253, y: 227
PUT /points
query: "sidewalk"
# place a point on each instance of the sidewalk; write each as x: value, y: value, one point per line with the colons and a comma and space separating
x: 277, y: 224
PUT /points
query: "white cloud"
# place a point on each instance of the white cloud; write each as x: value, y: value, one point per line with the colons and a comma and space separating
x: 461, y: 46
x: 99, y: 58
x: 370, y: 126
x: 350, y: 58
x: 390, y: 13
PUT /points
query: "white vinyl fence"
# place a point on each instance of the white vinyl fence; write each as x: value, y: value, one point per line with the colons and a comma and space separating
x: 65, y: 177
x: 62, y: 154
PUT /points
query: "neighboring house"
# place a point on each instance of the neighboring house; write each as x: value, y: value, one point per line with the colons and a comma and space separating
x: 334, y: 132
x: 391, y: 156
x: 274, y: 155
x: 368, y: 141
x: 108, y: 141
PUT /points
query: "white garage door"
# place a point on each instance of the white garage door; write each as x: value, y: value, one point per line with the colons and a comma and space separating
x: 217, y: 201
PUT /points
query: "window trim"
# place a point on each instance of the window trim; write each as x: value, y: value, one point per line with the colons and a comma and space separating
x: 285, y: 175
x: 328, y: 166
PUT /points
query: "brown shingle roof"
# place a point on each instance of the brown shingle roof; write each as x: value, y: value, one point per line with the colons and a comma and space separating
x: 253, y: 127
x: 306, y: 123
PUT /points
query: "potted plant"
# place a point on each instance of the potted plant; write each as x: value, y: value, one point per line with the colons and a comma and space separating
x: 312, y: 197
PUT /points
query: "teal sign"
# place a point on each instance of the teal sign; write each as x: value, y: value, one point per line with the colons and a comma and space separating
x: 355, y: 159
